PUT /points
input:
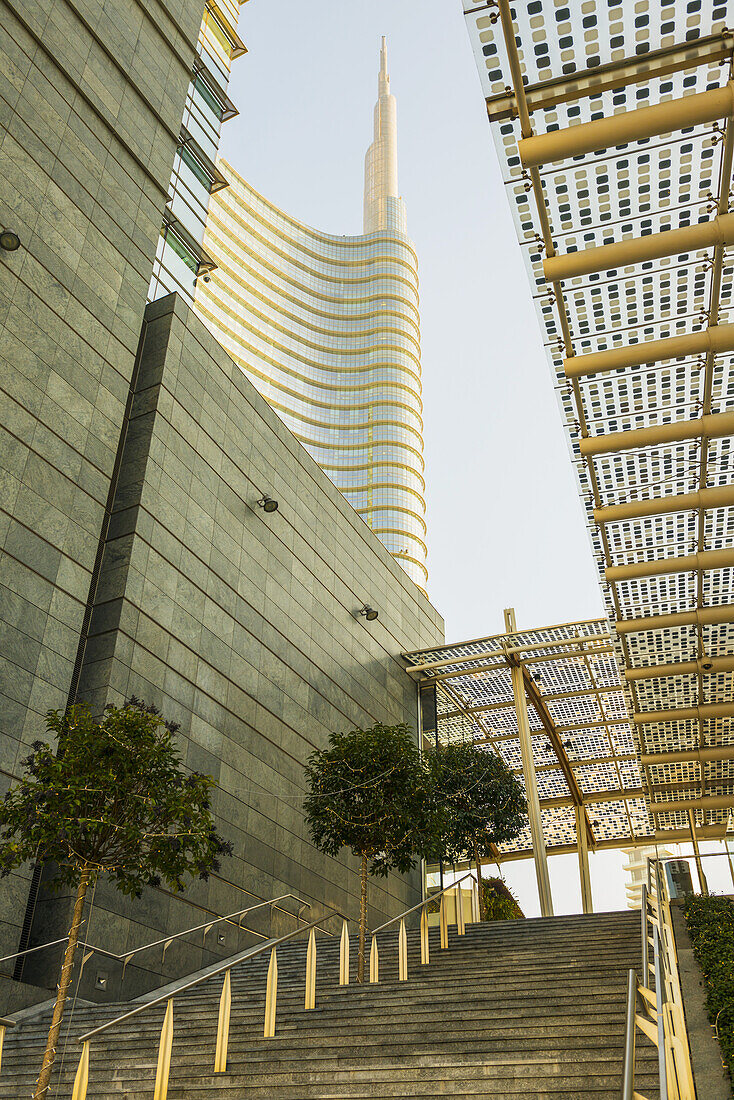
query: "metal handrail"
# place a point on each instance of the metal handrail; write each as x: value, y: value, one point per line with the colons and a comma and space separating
x: 167, y: 940
x: 665, y: 1023
x: 184, y: 984
x: 167, y: 994
x: 426, y: 901
x: 628, y: 1073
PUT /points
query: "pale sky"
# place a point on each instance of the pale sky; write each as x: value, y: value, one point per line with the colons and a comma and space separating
x: 505, y: 524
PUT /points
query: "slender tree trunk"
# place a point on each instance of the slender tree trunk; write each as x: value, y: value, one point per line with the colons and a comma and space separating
x: 362, y: 921
x: 67, y: 967
x: 478, y: 863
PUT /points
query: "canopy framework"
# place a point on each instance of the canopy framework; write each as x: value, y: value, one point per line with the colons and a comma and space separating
x: 624, y: 247
x: 582, y: 738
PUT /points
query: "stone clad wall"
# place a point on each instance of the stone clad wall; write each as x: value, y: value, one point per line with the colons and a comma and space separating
x: 91, y: 101
x: 243, y: 627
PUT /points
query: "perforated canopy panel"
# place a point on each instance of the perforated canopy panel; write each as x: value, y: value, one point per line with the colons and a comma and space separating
x: 582, y: 738
x: 667, y: 565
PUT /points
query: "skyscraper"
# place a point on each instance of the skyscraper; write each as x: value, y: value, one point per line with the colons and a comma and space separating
x: 327, y: 328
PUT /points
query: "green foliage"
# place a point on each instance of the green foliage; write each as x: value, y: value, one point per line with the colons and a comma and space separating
x: 480, y: 801
x: 711, y: 927
x: 114, y: 800
x: 368, y: 792
x: 499, y: 901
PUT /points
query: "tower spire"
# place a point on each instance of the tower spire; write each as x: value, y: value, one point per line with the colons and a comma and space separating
x: 383, y: 207
x: 383, y: 87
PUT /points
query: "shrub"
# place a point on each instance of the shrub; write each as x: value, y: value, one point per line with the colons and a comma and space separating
x: 499, y: 901
x: 711, y: 927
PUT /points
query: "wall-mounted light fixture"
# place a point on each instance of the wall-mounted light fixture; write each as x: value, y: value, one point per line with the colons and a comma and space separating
x: 369, y: 613
x: 9, y: 241
x: 268, y: 504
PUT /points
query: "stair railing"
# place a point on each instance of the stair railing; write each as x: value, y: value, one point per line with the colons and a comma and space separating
x: 5, y: 1023
x: 166, y: 941
x: 443, y: 926
x: 658, y: 1012
x: 165, y: 1043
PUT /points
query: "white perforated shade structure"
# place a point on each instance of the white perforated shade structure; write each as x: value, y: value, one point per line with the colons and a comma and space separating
x: 650, y: 434
x: 582, y: 737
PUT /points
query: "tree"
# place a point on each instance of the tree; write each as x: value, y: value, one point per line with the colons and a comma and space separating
x: 499, y: 901
x: 368, y: 792
x: 114, y: 800
x: 481, y: 803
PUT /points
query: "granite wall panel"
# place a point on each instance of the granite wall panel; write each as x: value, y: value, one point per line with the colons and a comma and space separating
x: 243, y: 627
x: 91, y: 100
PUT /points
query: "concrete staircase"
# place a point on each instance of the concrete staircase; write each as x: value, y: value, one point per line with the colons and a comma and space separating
x: 530, y: 1008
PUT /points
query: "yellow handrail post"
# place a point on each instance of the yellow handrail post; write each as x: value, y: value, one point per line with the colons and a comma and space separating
x: 425, y: 950
x: 460, y: 926
x: 2, y: 1037
x: 374, y: 961
x: 443, y: 922
x: 271, y: 996
x: 311, y: 970
x: 164, y: 1055
x: 344, y: 956
x: 225, y: 1008
x: 474, y: 903
x: 402, y: 953
x: 81, y: 1080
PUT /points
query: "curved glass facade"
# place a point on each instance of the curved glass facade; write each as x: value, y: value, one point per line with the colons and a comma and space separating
x: 327, y: 329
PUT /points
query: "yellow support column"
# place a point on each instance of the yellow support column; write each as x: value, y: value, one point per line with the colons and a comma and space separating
x: 697, y: 854
x: 583, y: 850
x: 531, y: 790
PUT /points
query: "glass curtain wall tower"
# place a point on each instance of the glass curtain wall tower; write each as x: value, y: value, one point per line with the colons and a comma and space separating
x: 327, y: 328
x: 181, y: 258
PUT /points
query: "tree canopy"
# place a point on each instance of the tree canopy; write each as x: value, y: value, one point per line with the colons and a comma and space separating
x: 114, y: 799
x: 479, y: 800
x: 368, y: 792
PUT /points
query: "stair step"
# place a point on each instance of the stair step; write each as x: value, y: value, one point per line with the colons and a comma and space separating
x: 529, y: 1008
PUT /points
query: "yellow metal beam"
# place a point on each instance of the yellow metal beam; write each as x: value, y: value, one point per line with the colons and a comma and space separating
x: 689, y: 756
x: 704, y: 665
x: 646, y: 122
x: 688, y: 563
x: 616, y: 74
x: 685, y: 714
x: 708, y: 802
x: 500, y: 653
x: 715, y: 339
x: 712, y: 426
x: 703, y: 616
x: 720, y: 496
x: 595, y: 797
x: 692, y: 238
